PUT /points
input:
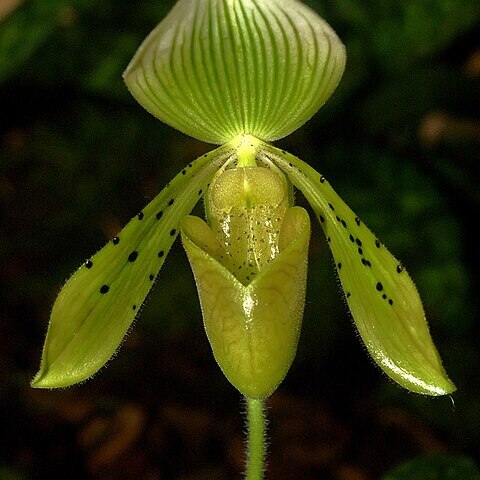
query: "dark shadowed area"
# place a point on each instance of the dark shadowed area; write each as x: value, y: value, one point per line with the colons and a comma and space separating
x: 399, y: 141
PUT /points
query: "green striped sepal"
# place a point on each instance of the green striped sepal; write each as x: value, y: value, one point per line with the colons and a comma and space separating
x: 216, y: 69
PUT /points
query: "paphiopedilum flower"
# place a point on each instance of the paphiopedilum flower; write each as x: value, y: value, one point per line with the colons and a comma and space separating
x: 241, y: 74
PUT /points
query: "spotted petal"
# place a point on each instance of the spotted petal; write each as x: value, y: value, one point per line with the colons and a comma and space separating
x: 97, y: 305
x: 382, y: 297
x: 216, y: 69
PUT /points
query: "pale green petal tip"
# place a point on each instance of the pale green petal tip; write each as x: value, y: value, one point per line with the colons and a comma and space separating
x: 60, y: 374
x: 39, y: 381
x: 433, y: 382
x: 50, y: 379
x: 218, y: 69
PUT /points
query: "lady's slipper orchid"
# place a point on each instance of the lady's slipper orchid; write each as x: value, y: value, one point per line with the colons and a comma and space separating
x: 241, y: 73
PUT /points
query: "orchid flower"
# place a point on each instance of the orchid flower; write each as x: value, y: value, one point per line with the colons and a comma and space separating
x: 241, y: 74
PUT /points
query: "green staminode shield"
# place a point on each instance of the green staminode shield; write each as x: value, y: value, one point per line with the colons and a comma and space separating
x: 216, y: 69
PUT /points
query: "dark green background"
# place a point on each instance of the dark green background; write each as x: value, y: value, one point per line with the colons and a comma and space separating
x: 399, y: 141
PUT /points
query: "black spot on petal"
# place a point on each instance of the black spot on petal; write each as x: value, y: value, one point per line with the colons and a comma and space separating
x: 184, y: 172
x: 161, y: 253
x: 89, y: 264
x: 339, y: 265
x: 331, y: 206
x: 140, y: 216
x: 104, y: 289
x: 171, y: 201
x: 400, y: 268
x: 116, y: 240
x: 134, y: 307
x: 151, y: 277
x: 358, y: 242
x: 390, y: 301
x: 379, y: 286
x: 321, y: 218
x: 357, y: 221
x: 352, y: 239
x: 133, y: 256
x: 200, y: 191
x: 159, y: 215
x: 322, y: 178
x: 172, y: 232
x: 377, y: 243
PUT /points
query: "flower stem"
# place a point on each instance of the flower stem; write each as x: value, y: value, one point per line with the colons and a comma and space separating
x: 256, y: 439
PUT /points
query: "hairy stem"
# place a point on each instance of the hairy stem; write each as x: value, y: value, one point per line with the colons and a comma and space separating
x: 256, y: 439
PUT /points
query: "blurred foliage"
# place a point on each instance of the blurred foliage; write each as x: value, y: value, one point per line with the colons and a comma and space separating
x: 436, y: 467
x: 399, y: 141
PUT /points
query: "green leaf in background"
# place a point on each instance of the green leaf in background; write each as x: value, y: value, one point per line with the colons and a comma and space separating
x: 23, y: 32
x: 7, y: 473
x: 436, y: 467
x: 396, y: 34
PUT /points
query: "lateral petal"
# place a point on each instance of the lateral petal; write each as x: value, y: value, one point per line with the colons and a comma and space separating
x: 380, y: 294
x: 99, y: 302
